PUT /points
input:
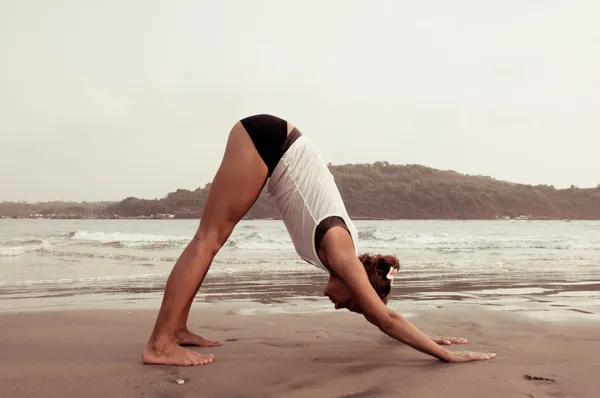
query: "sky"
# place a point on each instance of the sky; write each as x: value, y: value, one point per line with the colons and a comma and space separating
x: 109, y: 99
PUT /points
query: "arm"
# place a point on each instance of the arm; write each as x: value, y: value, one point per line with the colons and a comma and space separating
x: 352, y: 272
x: 341, y: 258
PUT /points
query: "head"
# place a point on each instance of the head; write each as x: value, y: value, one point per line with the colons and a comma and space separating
x: 380, y: 271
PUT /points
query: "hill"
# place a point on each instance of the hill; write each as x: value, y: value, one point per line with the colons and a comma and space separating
x: 54, y: 209
x: 385, y: 191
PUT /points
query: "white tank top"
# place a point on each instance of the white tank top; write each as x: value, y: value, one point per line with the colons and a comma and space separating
x: 305, y: 192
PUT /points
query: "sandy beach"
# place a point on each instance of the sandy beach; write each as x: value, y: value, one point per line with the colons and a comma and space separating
x: 96, y: 353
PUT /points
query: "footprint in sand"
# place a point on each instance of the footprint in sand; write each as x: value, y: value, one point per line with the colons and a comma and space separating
x: 537, y: 378
x: 284, y: 344
x: 545, y: 387
x: 582, y: 311
x: 331, y: 360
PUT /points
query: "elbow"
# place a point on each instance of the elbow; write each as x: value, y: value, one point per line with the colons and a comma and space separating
x: 392, y: 321
x: 387, y: 321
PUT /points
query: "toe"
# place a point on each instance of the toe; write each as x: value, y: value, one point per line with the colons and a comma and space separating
x: 192, y: 358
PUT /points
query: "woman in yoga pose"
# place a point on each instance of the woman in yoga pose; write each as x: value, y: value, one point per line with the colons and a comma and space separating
x: 261, y: 148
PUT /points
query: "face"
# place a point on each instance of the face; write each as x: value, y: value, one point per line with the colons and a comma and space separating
x: 340, y: 295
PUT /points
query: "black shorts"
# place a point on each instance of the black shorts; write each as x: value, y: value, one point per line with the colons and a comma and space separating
x: 270, y: 137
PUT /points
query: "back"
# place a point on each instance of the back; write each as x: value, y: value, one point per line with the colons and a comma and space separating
x: 305, y: 192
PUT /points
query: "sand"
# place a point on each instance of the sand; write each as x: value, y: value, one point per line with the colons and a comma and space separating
x: 96, y: 353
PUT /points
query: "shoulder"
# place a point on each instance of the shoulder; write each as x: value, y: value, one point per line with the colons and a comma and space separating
x: 337, y: 244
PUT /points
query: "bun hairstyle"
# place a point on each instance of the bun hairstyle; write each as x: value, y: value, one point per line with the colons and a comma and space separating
x: 381, y: 270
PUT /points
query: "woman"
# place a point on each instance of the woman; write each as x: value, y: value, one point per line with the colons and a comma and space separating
x: 259, y: 148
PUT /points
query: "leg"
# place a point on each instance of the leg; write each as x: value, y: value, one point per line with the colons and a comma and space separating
x: 183, y: 336
x: 235, y: 188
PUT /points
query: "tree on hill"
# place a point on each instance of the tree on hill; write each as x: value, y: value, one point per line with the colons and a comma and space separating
x: 383, y: 190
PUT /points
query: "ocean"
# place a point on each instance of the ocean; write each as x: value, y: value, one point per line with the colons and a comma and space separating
x: 535, y: 266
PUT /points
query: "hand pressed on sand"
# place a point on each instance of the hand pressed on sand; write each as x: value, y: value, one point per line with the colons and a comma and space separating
x: 447, y: 340
x: 468, y: 356
x: 461, y: 356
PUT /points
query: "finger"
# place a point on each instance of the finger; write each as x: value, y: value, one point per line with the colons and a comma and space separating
x: 456, y: 340
x: 480, y: 356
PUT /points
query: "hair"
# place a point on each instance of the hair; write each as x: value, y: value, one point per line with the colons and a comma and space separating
x: 377, y: 267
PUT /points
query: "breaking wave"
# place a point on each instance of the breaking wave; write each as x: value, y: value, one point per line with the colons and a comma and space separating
x: 374, y: 238
x: 252, y: 238
x: 17, y: 248
x: 119, y: 239
x: 260, y: 241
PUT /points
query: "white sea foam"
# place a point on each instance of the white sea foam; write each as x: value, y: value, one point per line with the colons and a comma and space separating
x: 16, y: 250
x: 127, y: 239
x: 27, y: 247
x: 370, y: 238
x: 91, y: 279
x: 440, y: 241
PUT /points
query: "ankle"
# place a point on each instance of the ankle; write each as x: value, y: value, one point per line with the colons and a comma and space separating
x: 161, y: 340
x: 182, y: 329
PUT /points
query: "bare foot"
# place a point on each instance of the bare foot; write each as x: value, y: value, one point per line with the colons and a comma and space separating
x: 173, y: 354
x: 185, y: 337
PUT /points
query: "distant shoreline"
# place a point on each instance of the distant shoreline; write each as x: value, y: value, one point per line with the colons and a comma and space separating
x: 278, y: 219
x: 378, y: 191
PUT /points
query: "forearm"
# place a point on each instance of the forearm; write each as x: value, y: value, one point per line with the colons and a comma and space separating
x: 402, y: 330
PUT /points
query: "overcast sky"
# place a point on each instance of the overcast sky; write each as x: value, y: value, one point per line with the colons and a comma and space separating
x: 107, y: 99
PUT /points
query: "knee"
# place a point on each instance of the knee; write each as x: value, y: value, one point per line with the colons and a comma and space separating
x: 208, y: 243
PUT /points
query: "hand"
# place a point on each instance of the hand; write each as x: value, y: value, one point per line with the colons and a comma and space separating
x: 468, y: 356
x: 445, y: 340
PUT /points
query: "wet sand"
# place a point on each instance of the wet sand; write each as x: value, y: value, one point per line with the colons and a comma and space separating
x: 96, y: 353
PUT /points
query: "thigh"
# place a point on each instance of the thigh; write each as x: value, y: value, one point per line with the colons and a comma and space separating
x: 235, y: 188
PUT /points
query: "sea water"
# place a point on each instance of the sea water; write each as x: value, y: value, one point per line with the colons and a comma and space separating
x: 77, y: 263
